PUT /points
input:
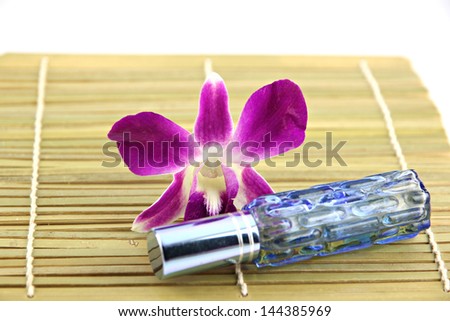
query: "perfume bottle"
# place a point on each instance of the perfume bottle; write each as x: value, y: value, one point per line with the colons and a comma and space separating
x: 292, y: 226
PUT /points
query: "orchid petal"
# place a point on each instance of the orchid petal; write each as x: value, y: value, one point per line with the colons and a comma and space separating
x: 272, y: 122
x: 196, y: 207
x: 230, y: 194
x: 151, y: 144
x: 251, y: 186
x: 169, y: 206
x: 214, y: 123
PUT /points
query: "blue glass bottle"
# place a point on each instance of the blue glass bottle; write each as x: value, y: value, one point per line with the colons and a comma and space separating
x: 292, y: 226
x: 340, y: 217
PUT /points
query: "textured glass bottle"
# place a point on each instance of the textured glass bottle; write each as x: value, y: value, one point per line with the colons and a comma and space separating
x: 296, y: 225
x: 340, y: 217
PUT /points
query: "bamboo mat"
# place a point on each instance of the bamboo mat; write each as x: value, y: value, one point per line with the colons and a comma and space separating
x: 84, y: 249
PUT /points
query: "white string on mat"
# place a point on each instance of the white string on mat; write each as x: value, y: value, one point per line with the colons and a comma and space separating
x: 386, y: 113
x: 208, y: 69
x: 365, y: 69
x: 35, y: 174
x: 240, y: 280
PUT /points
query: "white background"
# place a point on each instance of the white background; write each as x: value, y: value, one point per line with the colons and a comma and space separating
x: 418, y: 30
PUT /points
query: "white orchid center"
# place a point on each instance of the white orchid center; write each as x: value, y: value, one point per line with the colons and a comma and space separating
x: 212, y: 182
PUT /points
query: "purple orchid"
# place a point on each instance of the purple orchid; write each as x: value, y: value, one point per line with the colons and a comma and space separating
x: 272, y: 122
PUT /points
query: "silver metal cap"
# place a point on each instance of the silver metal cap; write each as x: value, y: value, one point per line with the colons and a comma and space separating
x: 199, y: 245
